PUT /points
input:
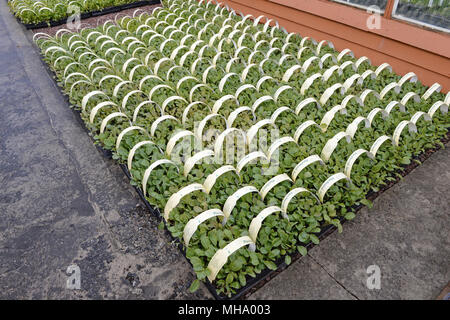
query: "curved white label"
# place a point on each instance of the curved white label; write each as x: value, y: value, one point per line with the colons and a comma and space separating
x: 149, y: 170
x: 190, y: 162
x: 210, y: 181
x: 306, y: 102
x: 249, y: 157
x: 329, y: 116
x: 257, y: 221
x: 218, y: 104
x: 435, y: 87
x: 290, y: 195
x: 377, y: 144
x: 329, y: 183
x: 193, y: 224
x: 438, y: 105
x: 230, y: 203
x: 177, y: 196
x: 303, y: 127
x: 269, y: 185
x: 276, y: 144
x: 351, y: 160
x: 398, y: 130
x: 329, y: 91
x: 175, y: 138
x: 352, y: 127
x: 304, y: 163
x: 221, y: 256
x: 332, y: 144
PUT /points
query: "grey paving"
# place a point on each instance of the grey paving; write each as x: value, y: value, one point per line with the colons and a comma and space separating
x: 63, y: 203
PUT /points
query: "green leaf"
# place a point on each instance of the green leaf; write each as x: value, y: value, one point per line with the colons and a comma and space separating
x: 406, y: 160
x: 302, y: 250
x: 367, y: 202
x: 206, y: 243
x: 242, y: 280
x: 287, y: 260
x: 314, y: 238
x: 194, y: 286
x: 270, y: 265
x: 254, y: 258
x: 350, y: 216
x: 229, y: 278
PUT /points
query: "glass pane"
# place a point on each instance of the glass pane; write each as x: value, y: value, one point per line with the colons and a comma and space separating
x: 430, y: 13
x: 364, y: 4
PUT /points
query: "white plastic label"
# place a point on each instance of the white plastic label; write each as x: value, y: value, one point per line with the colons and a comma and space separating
x: 408, y: 96
x: 352, y: 127
x: 306, y: 102
x: 329, y: 72
x: 257, y: 221
x: 398, y: 130
x: 329, y: 91
x: 218, y: 104
x: 419, y: 114
x: 382, y: 67
x: 411, y: 76
x: 269, y: 185
x: 374, y: 112
x: 366, y: 92
x: 155, y: 123
x: 193, y: 224
x: 230, y: 203
x: 435, y: 87
x: 276, y: 144
x: 133, y: 151
x: 253, y: 130
x: 303, y: 127
x: 235, y: 113
x: 211, y: 179
x: 304, y: 163
x: 329, y: 116
x: 149, y: 170
x: 332, y: 144
x: 125, y: 131
x: 249, y: 157
x: 351, y: 160
x: 377, y: 144
x: 177, y: 196
x: 175, y: 138
x: 190, y: 162
x: 290, y: 195
x: 261, y: 100
x: 389, y: 87
x: 221, y: 256
x: 438, y: 105
x: 308, y: 82
x: 329, y: 183
x: 109, y: 117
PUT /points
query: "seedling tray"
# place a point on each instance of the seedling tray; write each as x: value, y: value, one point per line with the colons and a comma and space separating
x: 253, y: 284
x: 86, y: 15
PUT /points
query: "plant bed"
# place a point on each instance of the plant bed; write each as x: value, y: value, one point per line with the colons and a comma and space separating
x: 141, y: 85
x: 57, y: 15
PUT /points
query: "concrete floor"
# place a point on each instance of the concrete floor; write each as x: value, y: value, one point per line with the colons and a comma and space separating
x: 63, y: 203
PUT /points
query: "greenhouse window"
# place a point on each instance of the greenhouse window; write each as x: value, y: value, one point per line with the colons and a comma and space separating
x: 434, y: 14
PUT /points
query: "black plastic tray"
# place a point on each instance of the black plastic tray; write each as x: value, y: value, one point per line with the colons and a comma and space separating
x: 86, y: 15
x: 252, y: 283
